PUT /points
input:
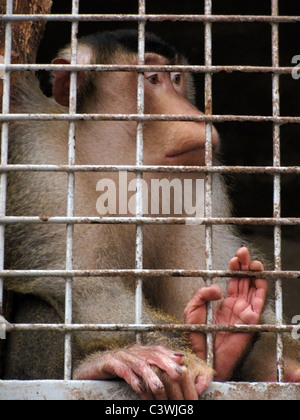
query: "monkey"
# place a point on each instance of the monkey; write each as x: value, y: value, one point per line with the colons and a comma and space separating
x: 162, y: 365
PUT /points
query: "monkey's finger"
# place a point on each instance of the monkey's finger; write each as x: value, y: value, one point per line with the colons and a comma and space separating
x: 244, y: 288
x: 146, y: 352
x: 151, y: 380
x: 203, y: 382
x: 234, y: 264
x: 165, y: 364
x: 260, y: 296
x: 244, y: 258
x: 188, y: 387
x: 202, y: 296
x: 173, y: 389
x: 256, y: 266
x: 137, y: 372
x: 121, y: 370
x: 147, y: 395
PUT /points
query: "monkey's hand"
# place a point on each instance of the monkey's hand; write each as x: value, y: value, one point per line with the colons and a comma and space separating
x: 153, y: 372
x: 243, y: 305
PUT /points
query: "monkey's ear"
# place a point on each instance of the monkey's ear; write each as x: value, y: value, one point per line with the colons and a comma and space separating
x: 61, y: 85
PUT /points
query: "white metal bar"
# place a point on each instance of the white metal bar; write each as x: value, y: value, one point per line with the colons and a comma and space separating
x: 139, y: 161
x: 146, y: 273
x: 5, y: 140
x: 112, y: 390
x: 217, y: 221
x: 277, y: 191
x: 150, y: 117
x: 151, y: 18
x: 266, y: 170
x: 71, y: 192
x: 62, y: 328
x: 208, y: 178
x: 146, y: 68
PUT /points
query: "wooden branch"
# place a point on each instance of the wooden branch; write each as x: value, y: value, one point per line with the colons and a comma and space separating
x: 26, y: 35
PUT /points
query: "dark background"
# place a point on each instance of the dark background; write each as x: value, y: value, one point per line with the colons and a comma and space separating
x: 239, y: 94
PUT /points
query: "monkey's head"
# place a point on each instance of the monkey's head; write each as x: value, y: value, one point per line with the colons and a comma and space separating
x: 165, y: 143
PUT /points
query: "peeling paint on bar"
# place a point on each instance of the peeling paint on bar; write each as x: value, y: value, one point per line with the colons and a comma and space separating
x: 150, y: 117
x: 148, y: 328
x: 267, y: 170
x: 116, y: 390
x: 150, y: 18
x: 145, y: 68
x: 206, y: 221
x: 147, y: 273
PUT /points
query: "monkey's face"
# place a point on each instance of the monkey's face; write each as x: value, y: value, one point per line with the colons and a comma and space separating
x: 172, y: 143
x: 165, y: 143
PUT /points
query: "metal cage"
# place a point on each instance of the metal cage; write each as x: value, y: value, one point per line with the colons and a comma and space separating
x: 69, y: 389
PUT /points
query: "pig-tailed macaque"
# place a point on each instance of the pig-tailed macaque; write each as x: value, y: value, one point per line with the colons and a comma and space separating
x: 163, y: 365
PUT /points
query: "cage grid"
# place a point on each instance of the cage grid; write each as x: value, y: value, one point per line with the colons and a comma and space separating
x: 74, y: 389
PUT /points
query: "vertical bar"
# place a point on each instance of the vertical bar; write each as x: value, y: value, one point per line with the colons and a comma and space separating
x: 71, y: 192
x: 277, y: 191
x: 4, y: 140
x: 208, y: 178
x: 139, y: 162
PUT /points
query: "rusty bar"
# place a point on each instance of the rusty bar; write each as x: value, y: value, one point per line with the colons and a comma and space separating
x: 5, y: 141
x: 218, y: 221
x: 208, y: 177
x: 119, y: 390
x: 147, y: 273
x: 139, y: 246
x: 150, y: 117
x: 71, y: 194
x: 150, y: 18
x: 255, y: 170
x: 145, y: 68
x: 148, y: 328
x: 277, y: 191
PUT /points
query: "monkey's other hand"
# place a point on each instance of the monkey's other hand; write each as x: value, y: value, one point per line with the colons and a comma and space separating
x: 243, y: 305
x: 152, y: 372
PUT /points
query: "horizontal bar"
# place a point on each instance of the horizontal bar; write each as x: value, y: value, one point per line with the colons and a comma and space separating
x: 150, y: 18
x: 148, y: 328
x: 146, y: 68
x: 147, y: 273
x: 119, y: 390
x: 150, y: 117
x: 231, y: 391
x: 266, y: 170
x: 196, y: 221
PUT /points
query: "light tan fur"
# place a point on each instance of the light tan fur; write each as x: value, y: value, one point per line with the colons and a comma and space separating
x: 96, y: 300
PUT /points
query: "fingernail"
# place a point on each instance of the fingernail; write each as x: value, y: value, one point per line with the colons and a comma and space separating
x: 159, y: 385
x: 179, y: 370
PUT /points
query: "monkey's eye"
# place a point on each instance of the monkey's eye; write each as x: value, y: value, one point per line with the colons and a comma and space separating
x: 176, y: 78
x: 153, y: 78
